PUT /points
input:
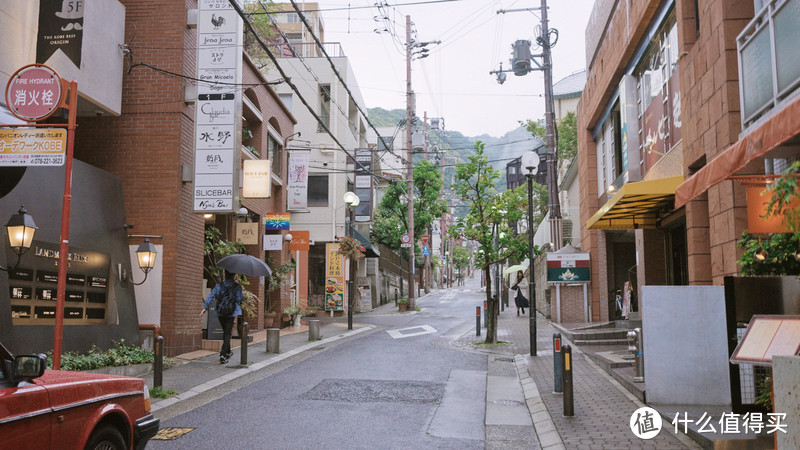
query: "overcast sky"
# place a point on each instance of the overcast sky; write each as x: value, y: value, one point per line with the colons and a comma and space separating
x: 454, y: 81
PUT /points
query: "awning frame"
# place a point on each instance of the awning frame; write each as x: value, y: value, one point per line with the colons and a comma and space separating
x: 636, y: 205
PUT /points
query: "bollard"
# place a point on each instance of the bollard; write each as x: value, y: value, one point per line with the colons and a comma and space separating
x: 639, y: 357
x: 313, y: 330
x: 273, y: 340
x: 566, y: 380
x: 158, y: 361
x: 477, y: 321
x: 245, y: 338
x: 558, y: 364
x: 485, y: 315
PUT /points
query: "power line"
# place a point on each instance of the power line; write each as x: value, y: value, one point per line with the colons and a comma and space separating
x: 348, y: 8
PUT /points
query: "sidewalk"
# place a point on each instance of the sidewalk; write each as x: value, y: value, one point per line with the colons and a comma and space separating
x: 200, y: 371
x: 602, y: 407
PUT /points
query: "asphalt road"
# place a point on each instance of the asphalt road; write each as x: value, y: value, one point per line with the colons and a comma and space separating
x: 402, y: 385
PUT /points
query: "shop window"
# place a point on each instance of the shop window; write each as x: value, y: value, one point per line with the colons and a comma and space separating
x: 275, y: 155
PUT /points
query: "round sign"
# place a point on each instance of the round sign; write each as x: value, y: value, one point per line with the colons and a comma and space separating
x: 33, y: 92
x: 405, y: 239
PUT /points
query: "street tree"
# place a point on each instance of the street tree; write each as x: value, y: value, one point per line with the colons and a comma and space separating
x: 488, y: 222
x: 391, y: 215
x: 566, y: 132
x: 461, y: 258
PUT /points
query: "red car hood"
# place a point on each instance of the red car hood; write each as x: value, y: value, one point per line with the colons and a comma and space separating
x: 66, y: 387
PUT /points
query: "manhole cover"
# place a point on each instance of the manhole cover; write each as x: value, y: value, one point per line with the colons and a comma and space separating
x: 395, y: 391
x: 507, y: 403
x: 170, y: 433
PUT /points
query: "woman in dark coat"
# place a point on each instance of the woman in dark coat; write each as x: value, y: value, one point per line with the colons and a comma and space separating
x: 521, y: 288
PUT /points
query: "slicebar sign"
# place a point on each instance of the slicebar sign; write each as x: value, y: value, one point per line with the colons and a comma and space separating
x: 218, y: 109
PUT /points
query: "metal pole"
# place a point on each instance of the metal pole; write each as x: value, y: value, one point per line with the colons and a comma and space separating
x: 410, y: 167
x: 243, y: 348
x: 569, y: 404
x: 558, y: 364
x: 61, y: 288
x: 485, y: 315
x: 553, y: 204
x: 477, y: 321
x: 350, y: 275
x: 158, y: 361
x: 531, y: 275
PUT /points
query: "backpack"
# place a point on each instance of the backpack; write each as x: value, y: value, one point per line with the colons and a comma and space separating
x: 226, y: 302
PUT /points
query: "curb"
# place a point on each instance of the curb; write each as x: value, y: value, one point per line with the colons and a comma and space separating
x: 255, y: 367
x: 543, y: 424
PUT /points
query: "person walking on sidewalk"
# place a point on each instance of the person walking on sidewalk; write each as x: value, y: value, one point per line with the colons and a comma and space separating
x: 521, y: 286
x: 228, y: 298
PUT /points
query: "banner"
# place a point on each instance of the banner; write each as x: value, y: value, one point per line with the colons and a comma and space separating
x: 276, y: 221
x: 60, y: 28
x: 334, y: 278
x: 297, y: 185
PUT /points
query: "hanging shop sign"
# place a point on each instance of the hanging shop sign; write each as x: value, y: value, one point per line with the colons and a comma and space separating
x: 33, y: 146
x: 334, y: 278
x: 276, y: 221
x: 257, y: 178
x: 60, y: 29
x: 218, y: 109
x: 247, y: 233
x: 297, y: 185
x: 272, y: 242
x: 300, y: 240
x: 568, y: 268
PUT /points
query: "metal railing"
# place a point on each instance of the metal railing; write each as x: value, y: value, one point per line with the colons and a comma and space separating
x: 310, y: 50
x: 769, y: 64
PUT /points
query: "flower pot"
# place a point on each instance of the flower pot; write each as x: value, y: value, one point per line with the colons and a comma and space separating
x: 403, y: 307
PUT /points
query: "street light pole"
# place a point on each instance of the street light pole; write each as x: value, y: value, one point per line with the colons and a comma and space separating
x: 351, y: 200
x: 530, y: 161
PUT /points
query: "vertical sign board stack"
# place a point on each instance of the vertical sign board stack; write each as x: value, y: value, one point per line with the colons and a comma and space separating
x: 218, y: 109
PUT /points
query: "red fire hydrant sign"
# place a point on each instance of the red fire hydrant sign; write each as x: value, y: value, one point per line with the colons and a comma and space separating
x: 33, y: 92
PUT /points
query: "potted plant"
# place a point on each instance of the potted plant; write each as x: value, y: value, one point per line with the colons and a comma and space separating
x: 294, y: 314
x: 402, y: 303
x: 269, y: 319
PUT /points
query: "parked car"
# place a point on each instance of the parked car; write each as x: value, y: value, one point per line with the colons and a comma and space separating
x: 61, y: 409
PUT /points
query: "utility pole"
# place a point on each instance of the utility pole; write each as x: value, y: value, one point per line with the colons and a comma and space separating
x: 410, y: 166
x: 521, y: 65
x: 553, y: 203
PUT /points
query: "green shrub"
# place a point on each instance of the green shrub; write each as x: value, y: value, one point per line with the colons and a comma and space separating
x: 160, y: 392
x: 120, y: 355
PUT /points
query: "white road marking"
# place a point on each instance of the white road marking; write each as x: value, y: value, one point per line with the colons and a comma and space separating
x: 402, y: 332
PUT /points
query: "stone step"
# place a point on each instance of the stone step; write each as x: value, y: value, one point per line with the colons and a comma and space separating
x: 580, y: 342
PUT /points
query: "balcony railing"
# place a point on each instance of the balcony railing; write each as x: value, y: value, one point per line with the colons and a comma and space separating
x: 769, y: 63
x: 310, y: 50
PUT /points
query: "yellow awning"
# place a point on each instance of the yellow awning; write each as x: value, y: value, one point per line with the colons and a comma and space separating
x: 636, y: 205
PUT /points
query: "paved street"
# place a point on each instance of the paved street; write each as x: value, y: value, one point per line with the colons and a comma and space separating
x: 400, y: 380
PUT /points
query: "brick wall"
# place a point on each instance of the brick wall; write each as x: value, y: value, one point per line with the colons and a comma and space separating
x: 572, y: 310
x: 711, y: 118
x: 148, y: 145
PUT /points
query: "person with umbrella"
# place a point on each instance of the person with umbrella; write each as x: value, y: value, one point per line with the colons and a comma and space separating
x: 228, y: 296
x: 520, y: 299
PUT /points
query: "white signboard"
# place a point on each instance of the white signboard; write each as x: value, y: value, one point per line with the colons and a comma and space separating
x: 257, y: 182
x: 273, y: 241
x: 297, y: 186
x: 218, y: 107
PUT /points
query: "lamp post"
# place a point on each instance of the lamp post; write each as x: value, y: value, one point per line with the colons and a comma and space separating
x: 352, y: 200
x: 530, y: 161
x: 20, y: 229
x: 146, y: 255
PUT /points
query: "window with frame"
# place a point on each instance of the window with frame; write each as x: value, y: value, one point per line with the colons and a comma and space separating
x: 317, y: 190
x: 324, y: 107
x: 658, y: 92
x: 274, y: 151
